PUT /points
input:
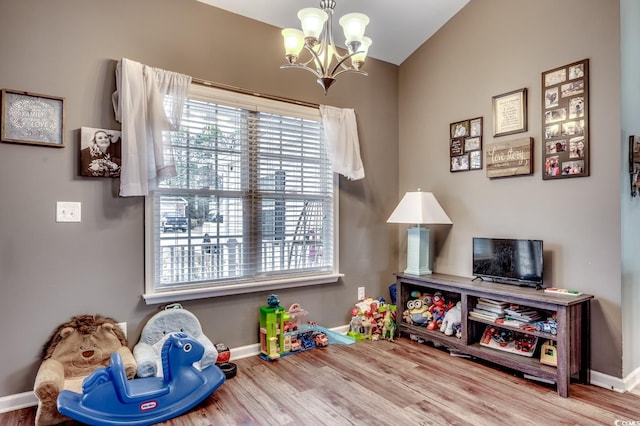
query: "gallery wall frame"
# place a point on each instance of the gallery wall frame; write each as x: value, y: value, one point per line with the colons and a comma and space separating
x: 32, y: 118
x: 565, y: 121
x: 634, y: 164
x: 510, y: 113
x: 465, y: 145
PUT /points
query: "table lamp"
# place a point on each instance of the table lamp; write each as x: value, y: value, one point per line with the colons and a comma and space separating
x: 419, y: 208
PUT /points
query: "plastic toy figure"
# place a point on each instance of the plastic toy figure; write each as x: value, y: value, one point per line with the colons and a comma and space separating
x: 419, y: 313
x: 273, y: 301
x: 388, y: 327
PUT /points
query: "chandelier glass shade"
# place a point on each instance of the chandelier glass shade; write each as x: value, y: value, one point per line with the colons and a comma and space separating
x: 324, y: 60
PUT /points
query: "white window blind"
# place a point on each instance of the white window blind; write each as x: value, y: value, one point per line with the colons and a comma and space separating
x: 255, y: 189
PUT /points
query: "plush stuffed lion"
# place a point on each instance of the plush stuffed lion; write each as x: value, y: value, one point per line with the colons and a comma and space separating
x: 73, y: 351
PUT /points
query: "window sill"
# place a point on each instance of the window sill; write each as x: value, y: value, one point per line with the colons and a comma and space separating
x: 231, y: 289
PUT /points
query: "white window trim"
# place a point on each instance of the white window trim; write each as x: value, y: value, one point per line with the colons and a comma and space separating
x: 153, y: 296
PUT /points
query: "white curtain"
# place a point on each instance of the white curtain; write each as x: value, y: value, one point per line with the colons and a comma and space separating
x: 148, y: 102
x: 341, y: 137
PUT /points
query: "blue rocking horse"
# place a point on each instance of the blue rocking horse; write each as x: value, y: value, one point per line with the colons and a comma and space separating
x: 108, y: 398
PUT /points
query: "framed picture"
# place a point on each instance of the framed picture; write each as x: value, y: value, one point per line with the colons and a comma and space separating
x: 510, y: 113
x: 100, y: 152
x: 510, y: 158
x: 460, y: 163
x: 31, y: 118
x: 465, y: 145
x: 565, y: 121
x: 634, y: 164
x: 459, y: 129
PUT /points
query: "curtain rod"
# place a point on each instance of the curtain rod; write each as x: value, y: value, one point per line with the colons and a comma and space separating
x: 252, y: 93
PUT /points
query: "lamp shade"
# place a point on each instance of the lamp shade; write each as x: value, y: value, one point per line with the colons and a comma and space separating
x: 293, y: 41
x: 312, y: 21
x: 419, y: 208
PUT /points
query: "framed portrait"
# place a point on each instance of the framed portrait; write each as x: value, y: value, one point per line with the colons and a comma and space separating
x: 510, y: 113
x: 100, y: 152
x: 32, y: 118
x: 465, y: 145
x: 565, y: 123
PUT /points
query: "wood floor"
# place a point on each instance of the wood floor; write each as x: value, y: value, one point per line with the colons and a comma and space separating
x: 384, y: 383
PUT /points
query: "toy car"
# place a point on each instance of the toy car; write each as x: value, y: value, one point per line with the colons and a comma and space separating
x: 296, y: 345
x: 547, y: 327
x: 320, y: 339
x: 306, y: 340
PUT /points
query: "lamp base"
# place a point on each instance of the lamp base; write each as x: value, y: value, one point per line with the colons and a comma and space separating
x: 418, y: 251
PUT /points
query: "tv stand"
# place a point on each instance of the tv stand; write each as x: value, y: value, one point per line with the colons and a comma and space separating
x: 572, y: 313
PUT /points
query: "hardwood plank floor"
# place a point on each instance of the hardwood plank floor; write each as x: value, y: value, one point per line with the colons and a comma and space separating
x: 384, y: 383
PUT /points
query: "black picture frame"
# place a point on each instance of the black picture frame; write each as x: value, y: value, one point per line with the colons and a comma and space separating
x: 565, y: 121
x: 465, y: 145
x: 634, y: 164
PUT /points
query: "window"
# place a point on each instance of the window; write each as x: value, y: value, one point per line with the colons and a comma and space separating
x: 252, y: 206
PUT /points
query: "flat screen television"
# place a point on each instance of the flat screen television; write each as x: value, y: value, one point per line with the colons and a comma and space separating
x: 509, y: 261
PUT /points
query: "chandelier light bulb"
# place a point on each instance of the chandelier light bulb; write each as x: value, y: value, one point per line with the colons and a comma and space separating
x: 293, y: 43
x: 353, y: 25
x: 312, y: 21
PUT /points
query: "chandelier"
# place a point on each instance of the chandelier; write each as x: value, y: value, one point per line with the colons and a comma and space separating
x: 325, y: 62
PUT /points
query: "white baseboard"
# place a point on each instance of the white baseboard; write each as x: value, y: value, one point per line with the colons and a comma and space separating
x: 18, y: 401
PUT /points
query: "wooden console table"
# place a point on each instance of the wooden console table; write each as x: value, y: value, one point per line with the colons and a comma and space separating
x: 572, y: 315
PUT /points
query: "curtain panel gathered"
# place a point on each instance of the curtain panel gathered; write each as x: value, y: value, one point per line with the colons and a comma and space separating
x: 148, y: 102
x: 341, y: 138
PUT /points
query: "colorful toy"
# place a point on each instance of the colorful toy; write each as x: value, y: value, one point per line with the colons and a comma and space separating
x: 108, y: 398
x: 173, y: 318
x: 418, y: 312
x: 389, y: 326
x: 451, y: 318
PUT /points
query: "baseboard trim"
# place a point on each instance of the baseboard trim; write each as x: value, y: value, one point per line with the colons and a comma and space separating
x: 18, y: 401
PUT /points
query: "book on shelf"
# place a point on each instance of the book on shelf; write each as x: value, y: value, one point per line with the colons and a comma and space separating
x: 493, y: 302
x: 489, y: 307
x: 479, y: 315
x: 488, y: 313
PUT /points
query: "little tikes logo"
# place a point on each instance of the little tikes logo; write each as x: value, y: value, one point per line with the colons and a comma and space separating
x: 148, y: 405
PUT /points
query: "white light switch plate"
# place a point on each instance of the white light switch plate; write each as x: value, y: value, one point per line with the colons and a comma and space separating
x: 68, y: 211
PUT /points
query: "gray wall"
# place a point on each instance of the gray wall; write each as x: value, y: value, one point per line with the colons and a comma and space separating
x: 492, y: 47
x: 630, y: 83
x: 50, y: 272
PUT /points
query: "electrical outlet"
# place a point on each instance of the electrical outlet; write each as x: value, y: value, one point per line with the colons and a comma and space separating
x: 360, y: 293
x: 67, y: 211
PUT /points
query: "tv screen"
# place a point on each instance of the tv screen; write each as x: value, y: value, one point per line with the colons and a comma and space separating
x: 510, y: 261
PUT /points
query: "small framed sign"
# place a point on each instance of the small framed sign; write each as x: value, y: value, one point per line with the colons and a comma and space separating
x: 31, y: 118
x: 510, y: 158
x: 510, y: 113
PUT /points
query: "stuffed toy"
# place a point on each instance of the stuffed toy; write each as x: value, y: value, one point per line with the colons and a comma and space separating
x: 173, y: 318
x: 451, y: 320
x: 73, y: 351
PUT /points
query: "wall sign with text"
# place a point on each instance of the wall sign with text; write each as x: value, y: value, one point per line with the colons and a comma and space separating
x: 510, y: 113
x: 510, y: 158
x: 565, y: 121
x: 31, y: 118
